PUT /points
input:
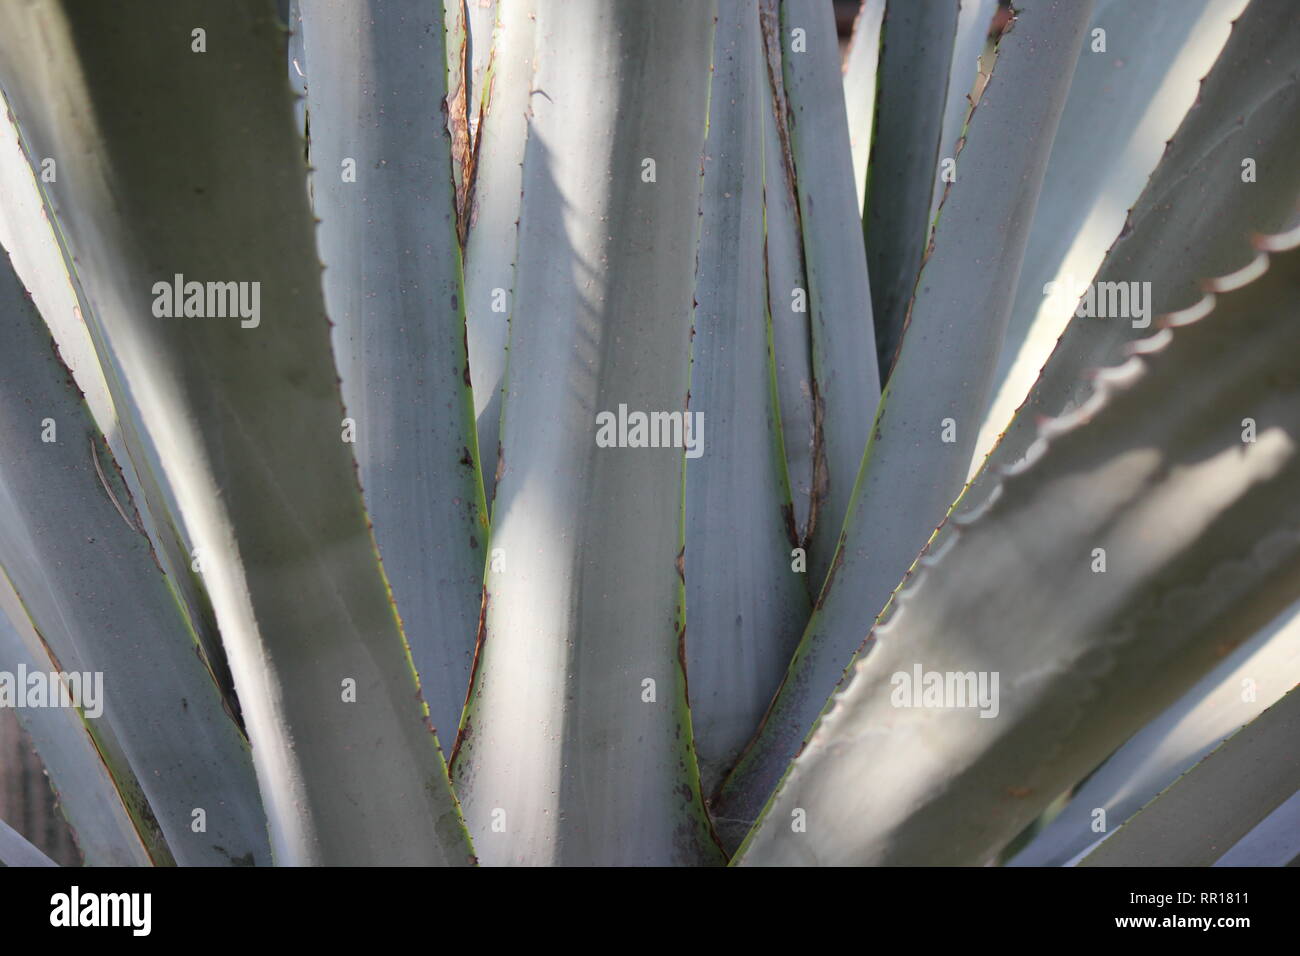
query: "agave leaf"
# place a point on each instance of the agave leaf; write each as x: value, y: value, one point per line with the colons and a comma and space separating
x: 102, y: 738
x: 393, y: 289
x: 792, y: 363
x: 1241, y: 686
x: 974, y: 23
x: 845, y: 387
x: 861, y: 65
x: 1274, y: 841
x: 16, y: 851
x: 916, y: 53
x: 493, y: 222
x: 41, y: 259
x: 1199, y: 535
x: 567, y: 754
x: 912, y: 471
x: 1207, y: 810
x: 745, y: 606
x: 87, y: 791
x: 75, y: 555
x: 1125, y: 102
x: 27, y: 234
x: 1245, y: 110
x: 347, y: 766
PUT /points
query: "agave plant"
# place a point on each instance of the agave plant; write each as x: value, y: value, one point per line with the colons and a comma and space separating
x: 735, y: 457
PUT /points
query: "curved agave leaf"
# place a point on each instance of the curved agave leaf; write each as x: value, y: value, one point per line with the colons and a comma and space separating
x: 745, y: 606
x: 845, y: 387
x: 1250, y: 776
x: 1131, y: 88
x: 1242, y: 685
x: 861, y: 65
x: 383, y: 192
x: 915, y: 59
x: 71, y: 547
x: 493, y: 222
x: 87, y: 791
x: 1228, y: 172
x: 1198, y: 537
x: 16, y: 851
x: 41, y: 259
x: 917, y: 457
x: 576, y: 745
x: 187, y: 163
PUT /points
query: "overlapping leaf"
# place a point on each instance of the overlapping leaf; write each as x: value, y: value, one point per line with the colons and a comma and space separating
x: 576, y: 746
x: 493, y: 222
x: 845, y: 388
x: 1254, y: 773
x: 109, y: 610
x: 90, y: 796
x: 916, y: 461
x: 1236, y: 691
x: 187, y: 163
x: 1175, y: 536
x: 384, y: 195
x: 745, y: 605
x: 1136, y: 78
x: 916, y: 53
